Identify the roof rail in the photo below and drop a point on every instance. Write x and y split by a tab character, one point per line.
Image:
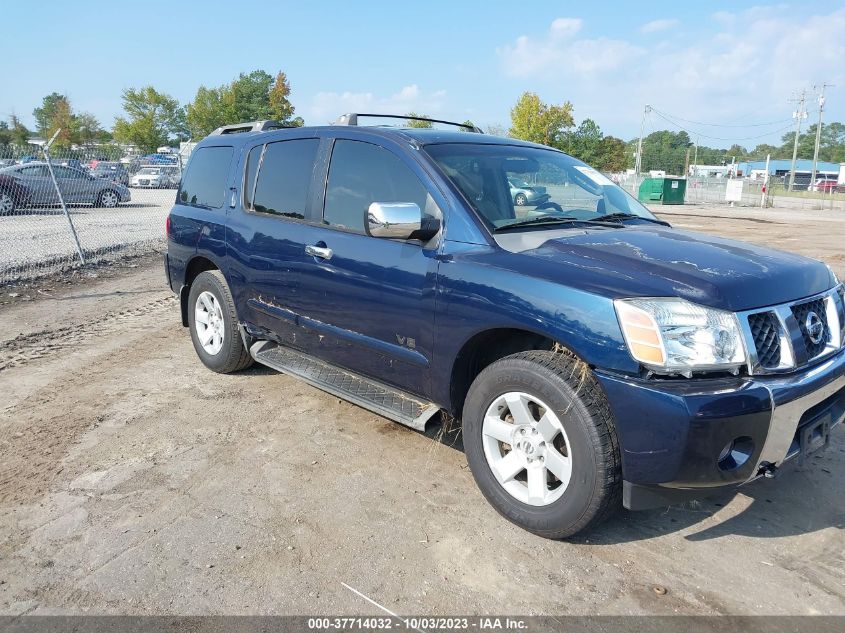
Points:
251	126
351	118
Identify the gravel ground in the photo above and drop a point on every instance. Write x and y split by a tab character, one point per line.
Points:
38	241
135	481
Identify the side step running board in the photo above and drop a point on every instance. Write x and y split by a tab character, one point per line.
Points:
376	396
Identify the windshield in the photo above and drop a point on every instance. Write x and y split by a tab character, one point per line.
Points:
149	171
509	184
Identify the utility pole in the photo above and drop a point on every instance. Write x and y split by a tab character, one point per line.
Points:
798	115
639	162
695	158
818	132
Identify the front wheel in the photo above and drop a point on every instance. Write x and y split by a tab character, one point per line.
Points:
214	324
108	199
520	200
541	444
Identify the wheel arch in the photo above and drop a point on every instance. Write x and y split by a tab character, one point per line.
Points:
196	265
488	346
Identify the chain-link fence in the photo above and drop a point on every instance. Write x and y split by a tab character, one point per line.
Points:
749	192
59	209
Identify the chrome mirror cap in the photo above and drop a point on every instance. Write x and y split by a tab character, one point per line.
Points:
397	220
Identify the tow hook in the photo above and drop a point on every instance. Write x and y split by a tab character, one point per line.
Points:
770	471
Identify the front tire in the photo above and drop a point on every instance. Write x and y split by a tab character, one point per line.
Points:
541	444
214	324
520	200
108	199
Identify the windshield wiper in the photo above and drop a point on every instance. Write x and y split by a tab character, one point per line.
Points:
545	219
611	217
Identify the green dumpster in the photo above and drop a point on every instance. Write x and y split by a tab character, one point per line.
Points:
666	190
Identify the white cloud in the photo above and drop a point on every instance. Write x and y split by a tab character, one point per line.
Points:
656	26
559	51
327	106
740	67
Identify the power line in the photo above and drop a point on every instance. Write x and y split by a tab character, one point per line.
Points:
719	138
740	125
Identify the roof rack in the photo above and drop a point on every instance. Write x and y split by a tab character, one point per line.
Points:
351	118
251	126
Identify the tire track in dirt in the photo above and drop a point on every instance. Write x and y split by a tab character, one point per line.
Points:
32	346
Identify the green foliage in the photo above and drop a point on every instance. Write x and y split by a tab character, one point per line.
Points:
20	134
831	143
613	155
418	124
532	120
152	119
45	116
250	97
56	114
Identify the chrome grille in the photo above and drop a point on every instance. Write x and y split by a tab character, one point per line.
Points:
777	339
765	332
800	311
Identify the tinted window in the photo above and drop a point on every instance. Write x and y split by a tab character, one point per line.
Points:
65	172
362	173
251	171
284	177
204	184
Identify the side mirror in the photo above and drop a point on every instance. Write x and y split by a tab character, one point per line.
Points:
399	220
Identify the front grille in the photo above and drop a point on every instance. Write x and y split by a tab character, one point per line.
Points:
766	334
800	312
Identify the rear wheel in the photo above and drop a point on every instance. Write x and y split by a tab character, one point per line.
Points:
540	441
214	324
7	203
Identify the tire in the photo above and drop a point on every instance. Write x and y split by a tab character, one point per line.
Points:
7	203
520	200
579	432
107	199
210	295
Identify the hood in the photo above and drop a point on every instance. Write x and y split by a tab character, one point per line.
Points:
665	262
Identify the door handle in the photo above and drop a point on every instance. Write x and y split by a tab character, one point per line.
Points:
322	252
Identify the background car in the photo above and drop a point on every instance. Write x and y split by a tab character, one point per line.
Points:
77	186
824	185
524	193
152	177
173	175
13	194
113	171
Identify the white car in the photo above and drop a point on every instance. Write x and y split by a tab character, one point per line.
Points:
151	177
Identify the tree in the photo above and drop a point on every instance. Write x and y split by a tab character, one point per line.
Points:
206	112
280	106
153	119
467	126
418	124
45	116
87	130
584	142
764	149
254	96
613	154
533	120
5	134
20	134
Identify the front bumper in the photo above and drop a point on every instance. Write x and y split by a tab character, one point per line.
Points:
673	432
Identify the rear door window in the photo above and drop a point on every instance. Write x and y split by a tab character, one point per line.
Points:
204	184
284	177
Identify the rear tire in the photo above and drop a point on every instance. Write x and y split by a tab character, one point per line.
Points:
213	323
7	203
540	441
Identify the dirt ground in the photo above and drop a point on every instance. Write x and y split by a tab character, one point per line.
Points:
135	481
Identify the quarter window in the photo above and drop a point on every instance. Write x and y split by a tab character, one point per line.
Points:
284	177
204	184
363	173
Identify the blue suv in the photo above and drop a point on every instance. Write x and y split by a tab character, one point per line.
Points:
594	355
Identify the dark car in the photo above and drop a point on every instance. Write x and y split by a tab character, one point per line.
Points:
113	171
13	193
77	186
595	356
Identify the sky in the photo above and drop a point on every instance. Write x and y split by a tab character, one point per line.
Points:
723	71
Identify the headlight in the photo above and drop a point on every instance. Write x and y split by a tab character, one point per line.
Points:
673	336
